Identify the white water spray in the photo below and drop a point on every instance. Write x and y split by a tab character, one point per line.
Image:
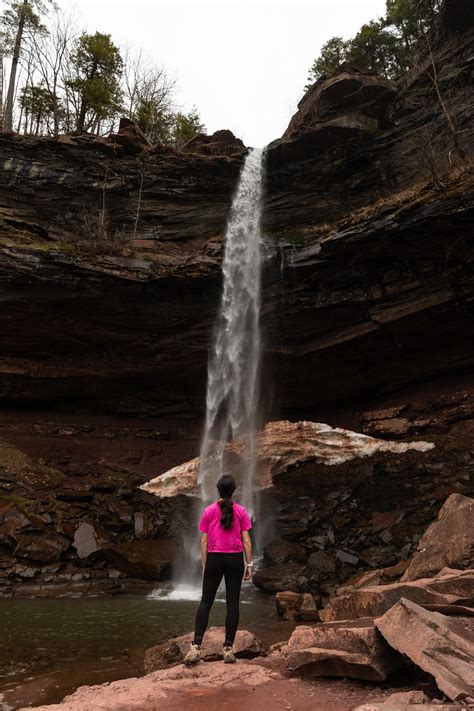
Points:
233	371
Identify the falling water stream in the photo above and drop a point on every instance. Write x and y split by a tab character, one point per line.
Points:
233	370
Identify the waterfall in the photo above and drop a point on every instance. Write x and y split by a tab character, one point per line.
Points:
233	371
234	360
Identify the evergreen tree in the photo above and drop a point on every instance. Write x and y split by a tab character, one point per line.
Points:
96	65
186	126
383	46
333	53
375	49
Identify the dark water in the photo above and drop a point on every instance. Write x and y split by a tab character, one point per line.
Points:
90	640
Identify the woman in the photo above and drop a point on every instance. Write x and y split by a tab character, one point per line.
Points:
225	526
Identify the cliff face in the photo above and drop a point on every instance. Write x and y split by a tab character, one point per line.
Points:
110	254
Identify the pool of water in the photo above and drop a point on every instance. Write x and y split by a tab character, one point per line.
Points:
51	646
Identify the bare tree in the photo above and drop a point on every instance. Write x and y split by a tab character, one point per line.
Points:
148	93
20	19
52	57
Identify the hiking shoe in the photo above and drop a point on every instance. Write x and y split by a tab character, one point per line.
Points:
229	656
194	655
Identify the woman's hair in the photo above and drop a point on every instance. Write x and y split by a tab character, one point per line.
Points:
226	487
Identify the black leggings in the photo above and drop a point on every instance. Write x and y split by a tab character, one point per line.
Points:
231	566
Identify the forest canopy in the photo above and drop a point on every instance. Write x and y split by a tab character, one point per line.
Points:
64	80
384	46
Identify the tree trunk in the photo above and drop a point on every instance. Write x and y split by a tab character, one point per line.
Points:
8	114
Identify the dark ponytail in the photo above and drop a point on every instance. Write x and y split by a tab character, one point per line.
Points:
226	487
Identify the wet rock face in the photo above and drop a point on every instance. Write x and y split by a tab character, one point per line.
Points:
80	527
350	92
356	134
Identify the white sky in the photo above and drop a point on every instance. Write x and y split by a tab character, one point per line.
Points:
243	64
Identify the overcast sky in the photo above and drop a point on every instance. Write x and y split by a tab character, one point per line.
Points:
243	64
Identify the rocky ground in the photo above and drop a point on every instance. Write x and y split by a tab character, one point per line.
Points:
421	626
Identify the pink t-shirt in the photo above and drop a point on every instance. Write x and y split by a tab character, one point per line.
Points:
224	540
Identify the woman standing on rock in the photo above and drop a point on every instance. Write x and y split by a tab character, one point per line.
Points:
225	526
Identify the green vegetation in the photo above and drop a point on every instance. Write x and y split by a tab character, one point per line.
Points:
384	46
72	81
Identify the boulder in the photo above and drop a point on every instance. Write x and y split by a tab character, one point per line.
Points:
221	142
349	91
130	137
448	542
379	576
142	559
345	649
441	646
276	578
281	551
173	651
283	448
44	547
296	606
88	538
321	562
450	587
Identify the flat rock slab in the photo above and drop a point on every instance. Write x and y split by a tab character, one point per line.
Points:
449	541
441	646
146	692
173	651
344	649
282	446
450	587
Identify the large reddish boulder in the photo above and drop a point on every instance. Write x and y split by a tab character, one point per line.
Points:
448	542
295	454
441	646
449	588
345	649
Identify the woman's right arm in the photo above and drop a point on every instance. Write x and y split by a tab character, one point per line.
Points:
247	543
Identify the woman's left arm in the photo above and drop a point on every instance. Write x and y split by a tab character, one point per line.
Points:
204	539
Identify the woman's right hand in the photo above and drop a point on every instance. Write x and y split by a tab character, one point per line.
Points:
248	572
